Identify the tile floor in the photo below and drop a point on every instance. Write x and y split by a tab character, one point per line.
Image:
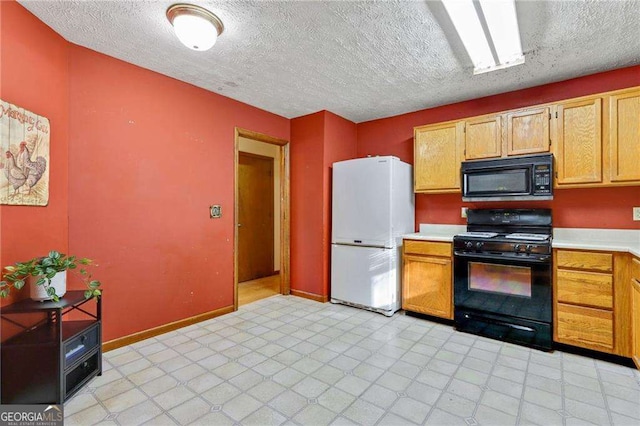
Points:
287	360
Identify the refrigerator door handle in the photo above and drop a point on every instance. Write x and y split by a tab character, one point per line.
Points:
356	244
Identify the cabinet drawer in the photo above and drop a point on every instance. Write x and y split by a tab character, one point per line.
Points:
81	345
584	260
586	327
79	375
585	288
427	248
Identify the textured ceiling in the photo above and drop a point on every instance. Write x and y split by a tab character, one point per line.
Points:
359	59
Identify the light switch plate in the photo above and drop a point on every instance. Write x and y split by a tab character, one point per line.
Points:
215	211
636	213
463	212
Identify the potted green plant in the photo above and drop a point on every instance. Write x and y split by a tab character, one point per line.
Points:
48	276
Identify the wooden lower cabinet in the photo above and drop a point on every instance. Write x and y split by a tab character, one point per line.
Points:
635	311
427	278
592	303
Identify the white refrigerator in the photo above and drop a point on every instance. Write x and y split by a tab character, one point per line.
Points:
372	207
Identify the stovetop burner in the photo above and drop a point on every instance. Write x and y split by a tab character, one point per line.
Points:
518	233
478	234
512	236
525	236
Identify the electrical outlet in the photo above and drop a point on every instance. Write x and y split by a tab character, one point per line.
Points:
463	212
636	213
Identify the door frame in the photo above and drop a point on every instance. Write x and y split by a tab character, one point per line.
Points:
285	247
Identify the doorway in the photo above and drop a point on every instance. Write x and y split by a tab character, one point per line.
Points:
255	217
261	237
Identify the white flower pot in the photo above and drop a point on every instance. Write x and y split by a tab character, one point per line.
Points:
39	292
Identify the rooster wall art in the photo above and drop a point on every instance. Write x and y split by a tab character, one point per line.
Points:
24	148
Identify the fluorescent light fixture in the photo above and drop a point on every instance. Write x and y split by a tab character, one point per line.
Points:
465	19
195	27
502	23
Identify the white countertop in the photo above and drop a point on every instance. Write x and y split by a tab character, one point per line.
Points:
433	232
578	238
598	239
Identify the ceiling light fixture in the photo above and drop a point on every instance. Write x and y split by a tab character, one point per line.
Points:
502	22
195	27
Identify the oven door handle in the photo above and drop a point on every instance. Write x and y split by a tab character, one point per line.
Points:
540	259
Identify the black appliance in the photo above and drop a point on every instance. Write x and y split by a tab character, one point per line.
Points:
527	177
502	276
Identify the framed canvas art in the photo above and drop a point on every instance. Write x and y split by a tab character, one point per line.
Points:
24	156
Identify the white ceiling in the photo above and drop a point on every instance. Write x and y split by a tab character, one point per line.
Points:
359	59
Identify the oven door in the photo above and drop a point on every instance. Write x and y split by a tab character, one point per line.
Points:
492	284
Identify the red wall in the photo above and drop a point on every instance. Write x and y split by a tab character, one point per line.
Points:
307	192
317	141
571	208
578	208
34	75
340	143
148	156
136	160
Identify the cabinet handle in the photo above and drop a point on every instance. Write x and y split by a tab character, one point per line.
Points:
83	339
85	364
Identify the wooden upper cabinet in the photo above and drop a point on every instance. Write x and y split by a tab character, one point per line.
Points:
483	137
624	137
528	131
437	157
596	142
579	142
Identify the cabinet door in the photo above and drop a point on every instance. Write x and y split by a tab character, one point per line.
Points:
579	139
483	138
528	131
635	318
427	285
437	157
635	311
624	136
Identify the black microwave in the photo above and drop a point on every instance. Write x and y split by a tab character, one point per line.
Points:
526	177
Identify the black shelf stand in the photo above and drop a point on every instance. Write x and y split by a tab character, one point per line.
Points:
52	355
